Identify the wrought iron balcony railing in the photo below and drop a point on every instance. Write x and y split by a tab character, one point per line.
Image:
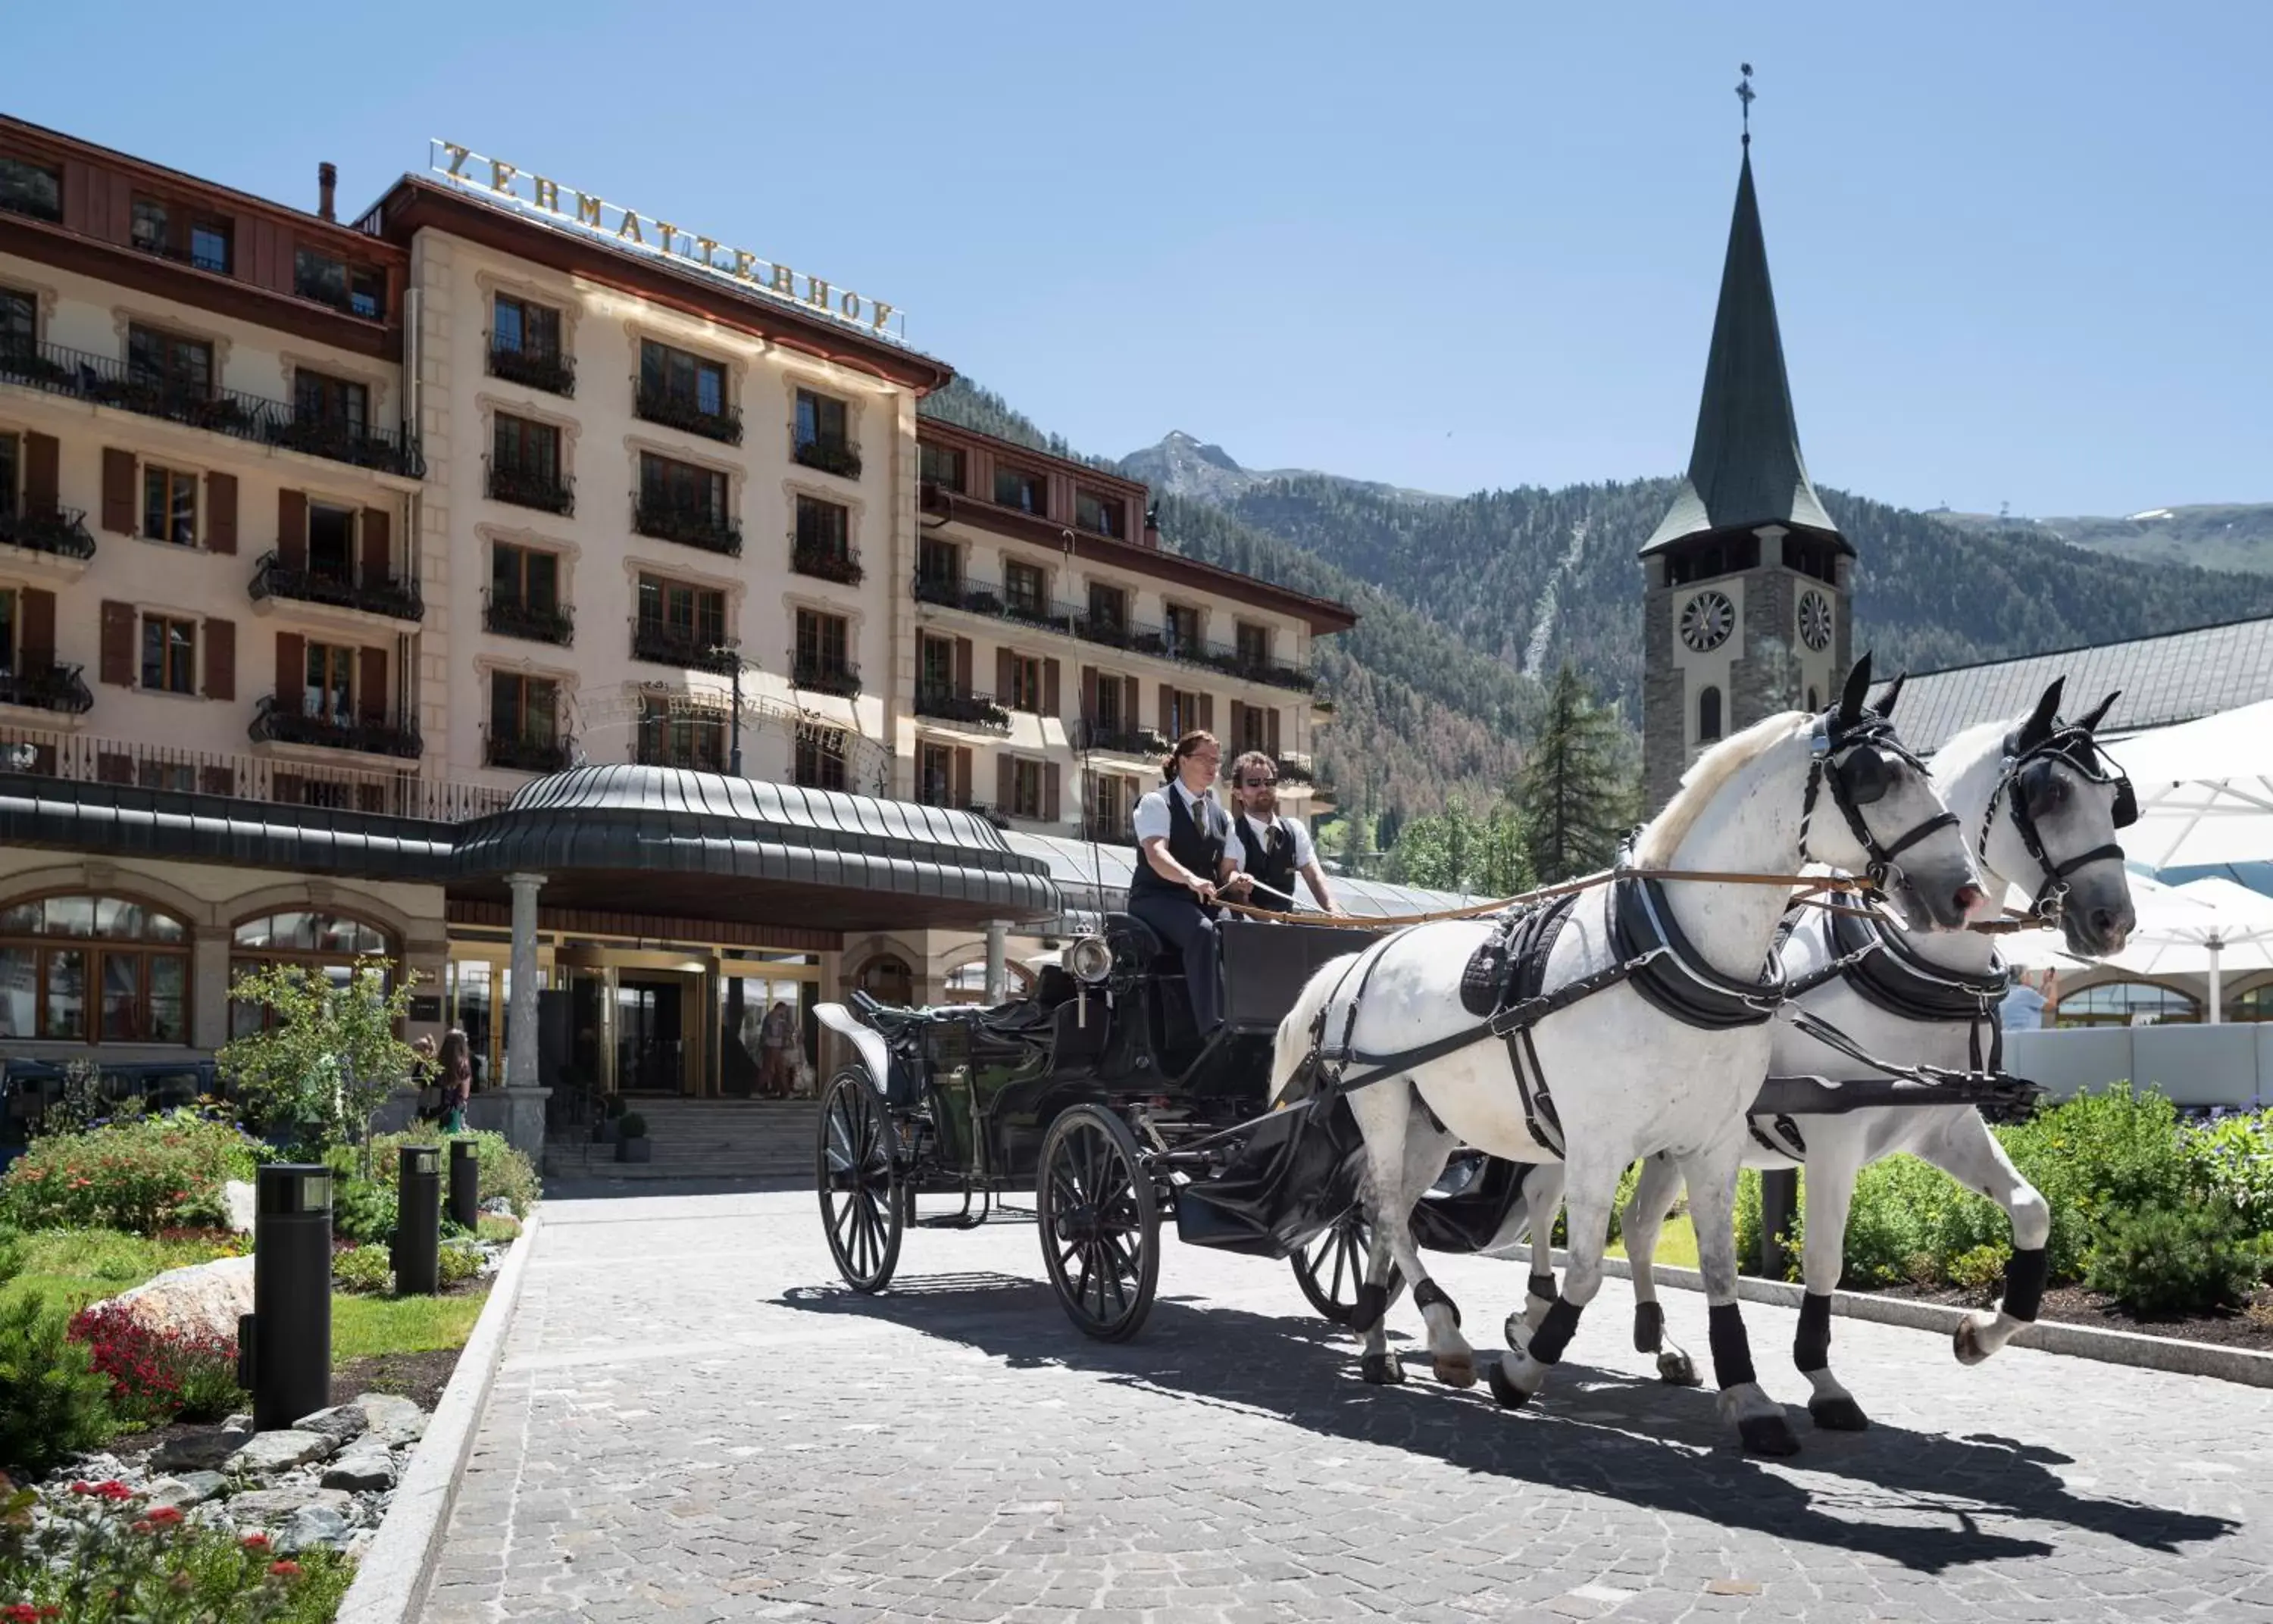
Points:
688	523
831	456
528	755
542	489
674	409
551	370
1297	770
275	721
107	382
397	600
960	705
1116	830
1124	741
663	644
539	622
46	687
826	560
44	527
838	676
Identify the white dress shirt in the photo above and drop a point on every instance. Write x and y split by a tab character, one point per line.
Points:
1151	819
1305	854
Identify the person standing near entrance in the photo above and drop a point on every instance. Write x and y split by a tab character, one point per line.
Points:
775	1038
456	1064
1272	848
1182	857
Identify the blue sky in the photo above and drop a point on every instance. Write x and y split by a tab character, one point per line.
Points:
2021	251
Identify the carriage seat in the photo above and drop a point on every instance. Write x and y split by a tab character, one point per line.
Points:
1136	946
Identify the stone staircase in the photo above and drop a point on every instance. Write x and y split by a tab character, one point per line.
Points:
694	1139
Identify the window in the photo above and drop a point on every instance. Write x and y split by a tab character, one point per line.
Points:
1108	610
820	758
327	945
1027	492
1025	589
1181	710
169	655
939	562
209	245
935	665
1812	557
329	695
355	289
695	616
170	505
674	733
821	642
1184	630
823	528
1025	683
1108	718
1102	515
1112	798
523	710
1254	645
331	542
935	774
525	329
153	231
673	375
2126	1003
940	465
34	189
170	362
19	330
316	398
1025	789
1708	715
525	577
821	419
1254	729
683	490
93	969
529	451
1725	556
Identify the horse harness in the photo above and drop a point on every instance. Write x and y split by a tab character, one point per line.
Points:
2026	783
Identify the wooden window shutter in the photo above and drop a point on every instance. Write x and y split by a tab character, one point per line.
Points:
378	545
1050	778
117	666
291	670
963	665
113	766
1003	660
959	789
1006	778
1238	740
1207	711
221	659
118	504
1128	710
371	683
1050	696
1168	712
43	476
292	529
217	781
36	639
1271	732
221	512
1089	694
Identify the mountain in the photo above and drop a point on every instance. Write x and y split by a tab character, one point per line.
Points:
2230	536
1181	466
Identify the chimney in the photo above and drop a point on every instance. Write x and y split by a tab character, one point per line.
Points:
1152	526
327	176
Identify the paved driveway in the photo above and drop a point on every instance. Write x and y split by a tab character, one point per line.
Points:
694	1421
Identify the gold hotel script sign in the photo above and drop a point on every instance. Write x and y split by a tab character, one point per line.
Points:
566	206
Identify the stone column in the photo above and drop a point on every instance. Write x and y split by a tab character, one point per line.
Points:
520	1019
998	933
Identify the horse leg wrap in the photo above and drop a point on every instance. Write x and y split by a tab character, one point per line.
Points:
1732	1352
1649	1326
2024	1284
1428	1294
1810	1350
1543	1287
1554	1332
1372	1303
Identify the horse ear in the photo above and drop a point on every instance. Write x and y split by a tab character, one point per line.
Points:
2091	721
1886	705
2038	727
1859	688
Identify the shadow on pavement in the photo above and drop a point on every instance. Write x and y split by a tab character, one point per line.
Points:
1595	1431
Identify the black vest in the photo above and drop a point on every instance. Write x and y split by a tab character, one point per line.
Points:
1198	850
1271	862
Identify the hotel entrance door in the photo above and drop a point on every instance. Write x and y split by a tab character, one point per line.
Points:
658	1031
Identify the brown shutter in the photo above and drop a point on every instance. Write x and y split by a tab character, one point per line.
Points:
1128	710
291	670
963	665
292	529
1207	712
1003	658
1089	696
42	477
1271	732
378	546
959	791
371	701
118	490
1237	742
36	640
117	667
113	766
217	781
221	659
221	512
1168	712
1050	689
1005	782
1050	793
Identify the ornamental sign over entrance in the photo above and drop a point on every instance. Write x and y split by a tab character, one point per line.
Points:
563	206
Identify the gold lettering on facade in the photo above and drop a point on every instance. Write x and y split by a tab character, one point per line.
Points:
707	249
743	261
849	304
458	156
883	314
501	175
670	235
631	228
816	292
783	282
548	194
587	210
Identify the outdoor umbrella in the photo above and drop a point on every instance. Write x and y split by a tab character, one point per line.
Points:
2205	790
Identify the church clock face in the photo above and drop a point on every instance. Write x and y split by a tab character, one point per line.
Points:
1707	620
1815	621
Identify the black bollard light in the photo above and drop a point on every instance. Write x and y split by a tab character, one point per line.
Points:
285	1344
465	1184
418	1222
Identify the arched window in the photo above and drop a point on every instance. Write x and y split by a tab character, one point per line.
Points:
330	943
1708	715
2126	1003
2254	1005
967	983
888	981
93	969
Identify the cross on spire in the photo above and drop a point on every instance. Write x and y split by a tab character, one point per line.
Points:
1745	93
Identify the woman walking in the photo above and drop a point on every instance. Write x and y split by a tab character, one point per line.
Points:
1181	836
456	1064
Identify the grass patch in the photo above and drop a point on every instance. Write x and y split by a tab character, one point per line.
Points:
79	1267
365	1326
1676	1244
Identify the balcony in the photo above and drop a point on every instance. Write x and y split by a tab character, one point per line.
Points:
690	524
275	721
537	623
952	592
660	643
676	410
544	490
1124	741
528	755
1297	770
336	588
947	703
106	382
1111	829
535	369
48	688
840	677
158	248
840	458
60	532
827	560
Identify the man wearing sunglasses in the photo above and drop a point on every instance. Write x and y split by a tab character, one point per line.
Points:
1272	848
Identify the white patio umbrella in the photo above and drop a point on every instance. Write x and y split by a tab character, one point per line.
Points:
2205	790
2212	928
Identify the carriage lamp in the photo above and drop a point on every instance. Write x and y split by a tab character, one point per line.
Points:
1089	959
284	1345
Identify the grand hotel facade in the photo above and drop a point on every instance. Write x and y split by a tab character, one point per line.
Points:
352	572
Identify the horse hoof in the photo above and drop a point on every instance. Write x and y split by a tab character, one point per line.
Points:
1675	1368
1838	1415
1967	1344
1767	1434
1517	1332
1457	1370
1382	1370
1503	1389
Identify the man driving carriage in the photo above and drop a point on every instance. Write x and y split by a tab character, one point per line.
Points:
1272	848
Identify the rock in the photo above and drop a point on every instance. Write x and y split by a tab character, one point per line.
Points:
189	1489
201	1451
395	1420
266	1507
236	1201
498	1207
314	1525
365	1465
241	1422
273	1452
203	1299
344	1422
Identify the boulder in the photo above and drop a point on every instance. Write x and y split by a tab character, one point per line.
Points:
366	1464
191	1488
199	1451
344	1422
203	1299
394	1420
266	1507
278	1451
314	1525
236	1202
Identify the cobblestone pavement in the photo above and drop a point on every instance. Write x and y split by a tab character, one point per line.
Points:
696	1421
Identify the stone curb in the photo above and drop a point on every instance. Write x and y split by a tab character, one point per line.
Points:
2086	1342
391	1580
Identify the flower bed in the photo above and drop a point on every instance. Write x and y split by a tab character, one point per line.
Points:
142	1176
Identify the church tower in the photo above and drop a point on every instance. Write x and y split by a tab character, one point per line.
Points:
1746	580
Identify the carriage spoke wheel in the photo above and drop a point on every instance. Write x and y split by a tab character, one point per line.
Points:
1330	1266
862	1205
1100	1223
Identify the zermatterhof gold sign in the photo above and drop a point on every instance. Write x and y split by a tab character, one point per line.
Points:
534	194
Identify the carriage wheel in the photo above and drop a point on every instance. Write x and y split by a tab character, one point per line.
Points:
862	1207
1331	1266
1100	1223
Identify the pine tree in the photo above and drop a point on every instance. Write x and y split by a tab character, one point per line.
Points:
1577	801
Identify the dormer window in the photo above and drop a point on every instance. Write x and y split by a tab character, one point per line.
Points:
1017	487
34	189
356	290
1100	514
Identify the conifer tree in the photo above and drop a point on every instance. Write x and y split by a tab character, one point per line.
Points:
1577	799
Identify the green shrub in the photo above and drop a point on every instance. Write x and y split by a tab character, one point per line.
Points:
362	1269
141	1176
2232	1159
458	1262
631	1125
2167	1259
504	1171
1980	1269
54	1403
362	1208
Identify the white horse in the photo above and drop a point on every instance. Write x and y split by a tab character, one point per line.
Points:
1612	1076
2042	812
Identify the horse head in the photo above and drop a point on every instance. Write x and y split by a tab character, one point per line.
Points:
2055	824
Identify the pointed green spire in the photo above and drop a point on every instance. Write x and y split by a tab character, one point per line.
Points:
1745	469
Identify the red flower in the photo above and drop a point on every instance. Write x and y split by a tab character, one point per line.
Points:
82	1487
255	1542
23	1612
164	1516
284	1570
114	1490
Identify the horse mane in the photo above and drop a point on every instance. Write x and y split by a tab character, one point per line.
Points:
1961	750
1706	778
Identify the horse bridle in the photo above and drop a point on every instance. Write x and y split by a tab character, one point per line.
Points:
2074	746
1855	757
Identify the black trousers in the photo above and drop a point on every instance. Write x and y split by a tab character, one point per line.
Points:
1180	921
